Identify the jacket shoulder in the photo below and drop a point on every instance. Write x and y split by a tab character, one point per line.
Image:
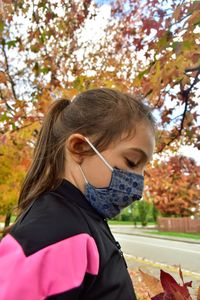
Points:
50	219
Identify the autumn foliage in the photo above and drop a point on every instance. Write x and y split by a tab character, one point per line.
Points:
150	47
173	185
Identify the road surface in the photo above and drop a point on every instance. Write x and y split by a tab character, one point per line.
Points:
162	251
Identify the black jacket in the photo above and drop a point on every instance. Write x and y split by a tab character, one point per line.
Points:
62	249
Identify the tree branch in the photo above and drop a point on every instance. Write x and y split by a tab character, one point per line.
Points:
186	97
192	69
11	110
8	70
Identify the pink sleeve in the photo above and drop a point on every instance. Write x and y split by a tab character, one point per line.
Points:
52	270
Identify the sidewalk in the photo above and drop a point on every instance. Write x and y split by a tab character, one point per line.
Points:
141	231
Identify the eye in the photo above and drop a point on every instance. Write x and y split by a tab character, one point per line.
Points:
130	163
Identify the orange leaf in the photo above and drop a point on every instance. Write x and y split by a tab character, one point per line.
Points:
3	77
198	294
152	283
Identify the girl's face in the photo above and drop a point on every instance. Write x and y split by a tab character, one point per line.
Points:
130	154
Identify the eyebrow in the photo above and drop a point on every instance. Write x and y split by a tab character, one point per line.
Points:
144	154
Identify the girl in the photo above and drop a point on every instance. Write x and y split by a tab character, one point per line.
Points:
88	164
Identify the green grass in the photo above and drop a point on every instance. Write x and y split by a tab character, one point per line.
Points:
176	234
115	222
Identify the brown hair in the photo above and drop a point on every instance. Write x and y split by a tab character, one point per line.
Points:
103	113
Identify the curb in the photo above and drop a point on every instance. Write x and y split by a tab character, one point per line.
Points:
189	241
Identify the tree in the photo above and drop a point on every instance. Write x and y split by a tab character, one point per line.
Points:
158	42
173	185
143	208
15	158
150	47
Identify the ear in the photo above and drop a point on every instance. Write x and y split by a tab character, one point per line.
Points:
76	145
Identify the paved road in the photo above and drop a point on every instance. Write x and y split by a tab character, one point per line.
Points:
162	251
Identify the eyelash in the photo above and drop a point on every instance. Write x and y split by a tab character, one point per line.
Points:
130	163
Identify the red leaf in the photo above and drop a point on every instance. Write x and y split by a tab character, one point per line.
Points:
170	285
188	284
158	297
148	24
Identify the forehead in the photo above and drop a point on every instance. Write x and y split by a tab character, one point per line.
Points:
141	140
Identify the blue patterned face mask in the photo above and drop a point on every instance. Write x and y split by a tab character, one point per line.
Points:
124	188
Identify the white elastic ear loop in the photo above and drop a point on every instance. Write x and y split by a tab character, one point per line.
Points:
83	174
99	154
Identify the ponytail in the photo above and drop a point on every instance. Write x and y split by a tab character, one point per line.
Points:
44	173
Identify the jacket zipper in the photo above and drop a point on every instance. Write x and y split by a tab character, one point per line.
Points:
116	243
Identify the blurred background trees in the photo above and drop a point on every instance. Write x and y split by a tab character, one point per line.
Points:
52	49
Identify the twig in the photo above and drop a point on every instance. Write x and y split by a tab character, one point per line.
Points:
185	94
7	105
192	69
8	71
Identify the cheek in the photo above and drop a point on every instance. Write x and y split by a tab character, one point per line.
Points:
96	172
